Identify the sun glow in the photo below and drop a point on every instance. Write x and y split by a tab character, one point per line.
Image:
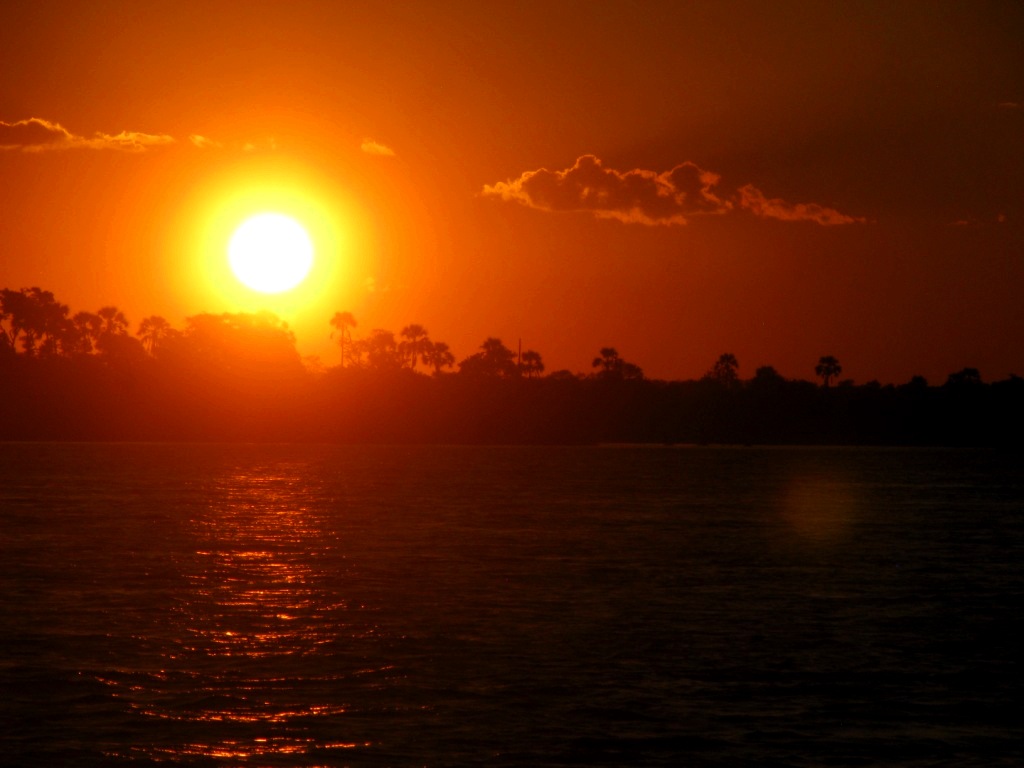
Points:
270	253
335	225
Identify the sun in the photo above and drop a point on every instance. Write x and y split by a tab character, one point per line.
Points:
270	253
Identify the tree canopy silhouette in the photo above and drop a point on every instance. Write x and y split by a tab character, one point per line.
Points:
415	345
612	367
531	364
154	331
37	320
240	376
828	368
440	356
494	359
724	371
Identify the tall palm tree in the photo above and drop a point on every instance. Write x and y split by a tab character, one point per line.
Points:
614	367
609	361
531	364
416	344
152	331
440	356
87	327
114	323
342	322
828	368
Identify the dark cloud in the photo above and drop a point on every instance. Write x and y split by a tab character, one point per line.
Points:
39	135
637	196
32	133
647	197
754	200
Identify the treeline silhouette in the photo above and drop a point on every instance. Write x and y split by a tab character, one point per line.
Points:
238	376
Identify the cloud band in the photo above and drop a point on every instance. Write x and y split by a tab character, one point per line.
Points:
647	197
36	134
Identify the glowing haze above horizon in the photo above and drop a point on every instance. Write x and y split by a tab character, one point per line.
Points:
677	180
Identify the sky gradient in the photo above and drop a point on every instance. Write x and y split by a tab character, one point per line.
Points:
677	180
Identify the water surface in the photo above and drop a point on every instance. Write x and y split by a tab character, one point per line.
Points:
288	605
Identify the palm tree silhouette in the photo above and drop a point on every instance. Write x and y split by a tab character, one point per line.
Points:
531	364
343	321
37	317
828	368
152	331
114	323
416	345
614	367
88	326
440	356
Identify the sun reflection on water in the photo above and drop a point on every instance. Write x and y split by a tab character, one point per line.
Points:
256	664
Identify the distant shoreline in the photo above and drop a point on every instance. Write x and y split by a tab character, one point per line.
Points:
72	401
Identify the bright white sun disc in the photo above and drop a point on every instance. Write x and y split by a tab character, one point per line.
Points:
270	253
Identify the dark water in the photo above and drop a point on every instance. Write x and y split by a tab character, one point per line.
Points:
230	605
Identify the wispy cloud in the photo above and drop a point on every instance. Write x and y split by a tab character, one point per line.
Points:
754	200
371	147
36	134
641	196
999	218
267	145
204	142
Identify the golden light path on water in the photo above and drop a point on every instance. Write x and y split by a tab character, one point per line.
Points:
249	673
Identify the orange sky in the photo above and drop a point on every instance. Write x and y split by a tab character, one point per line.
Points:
678	180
